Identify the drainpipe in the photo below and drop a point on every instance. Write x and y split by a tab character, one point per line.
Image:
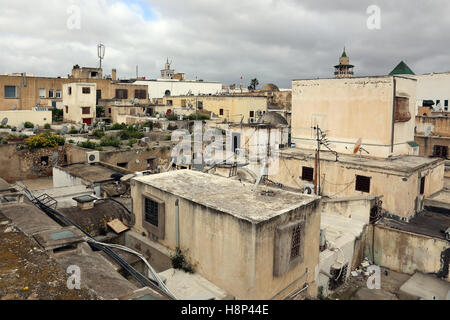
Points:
393	114
177	223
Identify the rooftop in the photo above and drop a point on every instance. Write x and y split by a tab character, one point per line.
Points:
226	195
97	172
404	163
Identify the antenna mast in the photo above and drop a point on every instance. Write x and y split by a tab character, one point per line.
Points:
101	52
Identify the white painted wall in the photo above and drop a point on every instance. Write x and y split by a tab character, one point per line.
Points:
15	117
433	86
158	87
63	179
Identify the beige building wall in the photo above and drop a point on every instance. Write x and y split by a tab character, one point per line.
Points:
20	116
234	254
234	108
338	179
74	102
349	109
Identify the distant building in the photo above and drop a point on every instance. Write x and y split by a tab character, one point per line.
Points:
344	69
79	102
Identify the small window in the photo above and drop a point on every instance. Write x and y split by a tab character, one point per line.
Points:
295	242
445	103
85	110
109	110
70	90
58	94
362	184
121	94
140	94
94	74
86	90
44	160
169	102
438	102
51	93
10	92
200	105
122	164
42	93
221	112
422	185
440	151
252	114
307	173
151	212
67	109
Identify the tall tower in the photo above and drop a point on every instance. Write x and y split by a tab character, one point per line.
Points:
167	73
344	69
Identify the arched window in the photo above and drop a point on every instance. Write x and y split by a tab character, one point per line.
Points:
167	93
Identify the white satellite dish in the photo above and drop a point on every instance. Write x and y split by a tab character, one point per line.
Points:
4	121
21	126
36	127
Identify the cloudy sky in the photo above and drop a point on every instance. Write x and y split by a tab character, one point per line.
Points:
273	40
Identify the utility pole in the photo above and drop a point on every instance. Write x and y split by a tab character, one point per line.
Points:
317	162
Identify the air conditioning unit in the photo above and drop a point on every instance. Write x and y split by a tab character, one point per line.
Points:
93	156
308	189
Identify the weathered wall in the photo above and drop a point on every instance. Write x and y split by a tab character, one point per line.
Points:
232	253
439	126
338	180
23	164
137	158
349	109
406	252
426	144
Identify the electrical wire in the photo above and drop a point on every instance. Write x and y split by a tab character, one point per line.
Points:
56	215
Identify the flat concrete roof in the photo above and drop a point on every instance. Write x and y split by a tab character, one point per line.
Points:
227	195
404	163
90	172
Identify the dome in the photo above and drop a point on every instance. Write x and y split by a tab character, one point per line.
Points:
273	118
270	87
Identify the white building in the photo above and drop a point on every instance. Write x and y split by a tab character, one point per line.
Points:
79	102
434	87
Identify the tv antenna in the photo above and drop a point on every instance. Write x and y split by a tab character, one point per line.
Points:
101	52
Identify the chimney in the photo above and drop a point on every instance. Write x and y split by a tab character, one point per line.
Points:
85	202
114	74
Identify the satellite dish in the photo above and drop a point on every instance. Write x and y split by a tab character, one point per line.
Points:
64	130
36	127
21	126
4	121
357	146
427	131
55	158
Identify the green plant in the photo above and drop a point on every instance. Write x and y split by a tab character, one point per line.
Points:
165	148
172	127
169	137
73	130
179	261
28	125
171	116
57	114
88	145
47	126
110	141
132	141
44	140
71	141
118	126
198	116
98	133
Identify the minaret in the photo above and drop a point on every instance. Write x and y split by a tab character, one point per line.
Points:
344	69
167	73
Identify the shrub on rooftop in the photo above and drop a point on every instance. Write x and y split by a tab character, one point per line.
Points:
44	140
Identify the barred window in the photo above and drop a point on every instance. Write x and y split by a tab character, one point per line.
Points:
121	94
151	212
86	90
307	173
295	243
140	94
